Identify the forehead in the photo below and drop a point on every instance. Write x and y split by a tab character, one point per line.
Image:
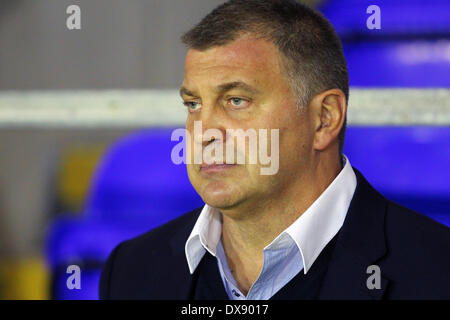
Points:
246	57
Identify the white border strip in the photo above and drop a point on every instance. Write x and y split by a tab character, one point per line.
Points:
140	108
399	107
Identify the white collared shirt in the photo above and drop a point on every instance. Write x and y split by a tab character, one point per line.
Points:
296	248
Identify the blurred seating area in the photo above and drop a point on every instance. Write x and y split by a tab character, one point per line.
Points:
89	172
136	187
411	48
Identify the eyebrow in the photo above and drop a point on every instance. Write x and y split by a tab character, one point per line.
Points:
186	92
224	88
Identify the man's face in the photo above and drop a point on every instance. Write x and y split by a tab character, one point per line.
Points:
241	86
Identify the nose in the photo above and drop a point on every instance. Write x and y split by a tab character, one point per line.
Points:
209	127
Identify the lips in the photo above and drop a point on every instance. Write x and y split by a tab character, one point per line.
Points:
210	168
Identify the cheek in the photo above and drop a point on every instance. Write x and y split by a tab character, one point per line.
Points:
191	173
292	132
190	144
194	178
278	113
294	141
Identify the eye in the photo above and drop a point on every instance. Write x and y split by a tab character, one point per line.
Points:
238	102
192	105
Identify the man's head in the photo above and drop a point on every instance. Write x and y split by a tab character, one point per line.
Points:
265	64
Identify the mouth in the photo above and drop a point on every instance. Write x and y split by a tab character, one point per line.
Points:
212	168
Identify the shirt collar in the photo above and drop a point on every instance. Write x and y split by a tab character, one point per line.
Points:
311	232
204	236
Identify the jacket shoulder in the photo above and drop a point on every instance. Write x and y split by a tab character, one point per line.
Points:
160	237
418	254
416	228
136	268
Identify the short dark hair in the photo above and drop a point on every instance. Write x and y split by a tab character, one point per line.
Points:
311	52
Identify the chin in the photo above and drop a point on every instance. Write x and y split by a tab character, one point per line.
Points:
219	195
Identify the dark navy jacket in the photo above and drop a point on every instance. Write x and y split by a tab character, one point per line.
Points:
411	250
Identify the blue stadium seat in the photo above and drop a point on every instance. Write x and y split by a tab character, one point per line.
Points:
398	17
409	165
137	182
410	50
136	188
412	63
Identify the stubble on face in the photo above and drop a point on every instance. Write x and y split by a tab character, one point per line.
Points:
257	63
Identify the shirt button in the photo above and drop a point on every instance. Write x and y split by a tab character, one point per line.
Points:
235	293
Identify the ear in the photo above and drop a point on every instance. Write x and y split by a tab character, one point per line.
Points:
329	109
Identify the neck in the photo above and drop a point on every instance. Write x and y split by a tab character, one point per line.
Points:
246	232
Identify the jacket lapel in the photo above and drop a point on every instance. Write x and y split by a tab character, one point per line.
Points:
206	282
181	281
209	284
360	244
